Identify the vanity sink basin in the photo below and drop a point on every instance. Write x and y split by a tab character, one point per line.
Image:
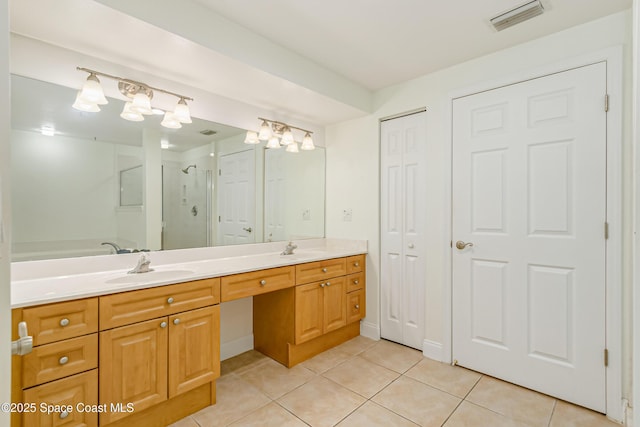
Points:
152	276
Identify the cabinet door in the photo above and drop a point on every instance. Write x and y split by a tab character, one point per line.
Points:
355	306
309	307
334	314
81	389
133	366
194	349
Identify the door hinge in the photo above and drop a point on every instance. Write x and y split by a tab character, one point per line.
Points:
450	243
606	357
606	230
606	102
219	218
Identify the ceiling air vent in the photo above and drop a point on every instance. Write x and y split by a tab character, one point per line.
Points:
517	15
208	132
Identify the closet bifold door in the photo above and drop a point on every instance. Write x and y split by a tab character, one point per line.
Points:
403	221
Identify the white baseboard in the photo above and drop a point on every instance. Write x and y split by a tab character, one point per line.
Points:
370	330
236	347
432	350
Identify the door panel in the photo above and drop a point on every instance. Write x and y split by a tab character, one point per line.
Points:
529	191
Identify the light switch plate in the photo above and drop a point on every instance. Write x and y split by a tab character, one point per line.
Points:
347	214
306	214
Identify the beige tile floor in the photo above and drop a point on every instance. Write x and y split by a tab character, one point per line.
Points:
376	383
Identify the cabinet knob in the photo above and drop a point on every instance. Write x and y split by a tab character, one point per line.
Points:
63	415
411	246
356	264
328	283
64	322
170	300
63	360
322	285
356	282
263	282
176	321
324	270
357	306
163	324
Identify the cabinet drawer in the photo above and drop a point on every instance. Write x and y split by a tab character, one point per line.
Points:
355	306
355	281
60	359
256	282
355	264
56	322
320	270
81	389
137	306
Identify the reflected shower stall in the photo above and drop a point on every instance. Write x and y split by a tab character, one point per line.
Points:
186	206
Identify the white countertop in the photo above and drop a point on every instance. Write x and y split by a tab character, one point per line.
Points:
42	282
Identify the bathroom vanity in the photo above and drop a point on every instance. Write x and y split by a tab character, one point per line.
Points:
145	349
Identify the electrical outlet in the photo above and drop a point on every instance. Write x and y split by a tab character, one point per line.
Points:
347	214
306	214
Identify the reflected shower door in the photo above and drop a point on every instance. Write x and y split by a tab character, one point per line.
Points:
186	208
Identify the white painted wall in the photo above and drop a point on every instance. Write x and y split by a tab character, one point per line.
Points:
5	214
353	156
634	399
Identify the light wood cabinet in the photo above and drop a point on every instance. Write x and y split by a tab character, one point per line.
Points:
256	282
59	321
64	397
319	308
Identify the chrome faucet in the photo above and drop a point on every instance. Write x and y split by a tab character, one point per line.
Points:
116	248
143	265
289	249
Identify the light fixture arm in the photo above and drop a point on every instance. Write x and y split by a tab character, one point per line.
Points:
281	124
133	83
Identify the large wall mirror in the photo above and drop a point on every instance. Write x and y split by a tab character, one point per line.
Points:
102	179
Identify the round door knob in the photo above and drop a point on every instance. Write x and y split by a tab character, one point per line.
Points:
163	324
411	246
324	270
64	322
328	283
176	321
461	245
63	415
356	282
63	360
322	285
263	282
357	306
170	300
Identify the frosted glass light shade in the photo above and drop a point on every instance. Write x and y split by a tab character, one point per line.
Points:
83	105
92	92
141	103
130	115
292	148
273	142
265	131
287	137
170	121
182	112
251	138
307	143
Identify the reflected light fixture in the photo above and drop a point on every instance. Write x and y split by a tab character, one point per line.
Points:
138	104
279	134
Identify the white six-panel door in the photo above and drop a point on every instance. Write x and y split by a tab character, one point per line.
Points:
529	194
236	198
402	215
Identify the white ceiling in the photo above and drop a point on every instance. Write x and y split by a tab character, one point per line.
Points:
317	62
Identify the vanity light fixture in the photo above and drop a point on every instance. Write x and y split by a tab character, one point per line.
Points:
279	134
138	102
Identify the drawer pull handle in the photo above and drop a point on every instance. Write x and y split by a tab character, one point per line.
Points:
170	300
324	270
64	322
176	321
63	415
322	285
328	283
63	360
163	324
263	282
356	282
357	306
356	264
